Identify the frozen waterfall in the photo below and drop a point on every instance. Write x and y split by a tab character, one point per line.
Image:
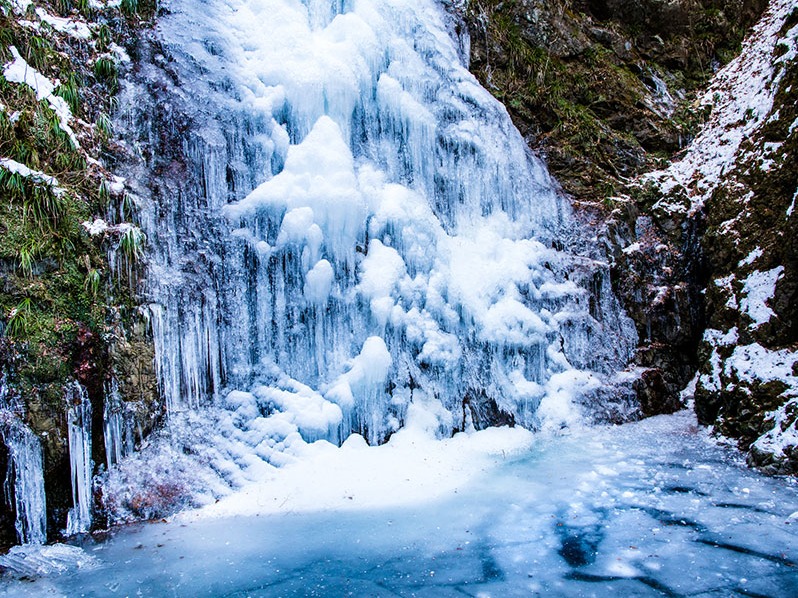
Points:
343	224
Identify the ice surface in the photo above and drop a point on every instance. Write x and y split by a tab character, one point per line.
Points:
648	509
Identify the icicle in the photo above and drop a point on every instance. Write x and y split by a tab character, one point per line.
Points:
24	479
79	431
117	427
24	482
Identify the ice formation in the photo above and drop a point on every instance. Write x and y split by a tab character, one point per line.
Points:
79	433
346	224
648	509
24	481
118	426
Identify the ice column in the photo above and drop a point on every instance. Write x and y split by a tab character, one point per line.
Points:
117	428
24	483
79	430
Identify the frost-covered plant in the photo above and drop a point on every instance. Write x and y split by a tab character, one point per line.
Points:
103	193
126	207
131	243
104	125
69	91
103	38
105	70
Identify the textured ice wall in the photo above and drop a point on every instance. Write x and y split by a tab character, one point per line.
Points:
342	223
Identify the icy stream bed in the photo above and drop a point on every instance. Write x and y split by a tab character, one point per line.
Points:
647	509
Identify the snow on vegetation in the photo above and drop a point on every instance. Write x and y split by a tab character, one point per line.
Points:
72	27
19	71
741	100
15	167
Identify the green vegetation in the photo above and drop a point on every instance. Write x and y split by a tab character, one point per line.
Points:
584	88
57	285
129	7
105	70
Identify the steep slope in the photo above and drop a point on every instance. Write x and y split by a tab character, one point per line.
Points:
740	175
603	91
703	249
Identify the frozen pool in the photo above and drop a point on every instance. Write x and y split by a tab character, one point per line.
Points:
648	509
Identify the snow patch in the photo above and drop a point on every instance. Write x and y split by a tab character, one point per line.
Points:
758	288
37	177
19	71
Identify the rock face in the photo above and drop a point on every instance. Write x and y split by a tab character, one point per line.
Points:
703	249
741	176
600	89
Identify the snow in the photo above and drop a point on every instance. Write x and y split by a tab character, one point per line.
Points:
36	176
758	288
751	257
753	362
75	28
317	186
318	282
98	227
782	438
741	97
368	243
21	6
19	71
411	468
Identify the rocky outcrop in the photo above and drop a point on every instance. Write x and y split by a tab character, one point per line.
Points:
741	177
601	89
